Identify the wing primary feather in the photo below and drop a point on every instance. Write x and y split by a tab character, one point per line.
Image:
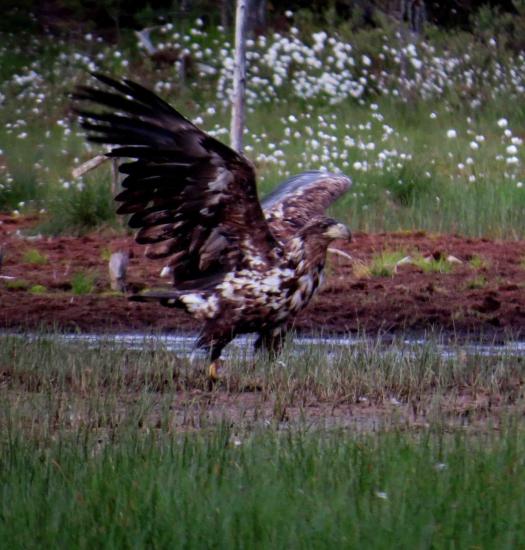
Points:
191	197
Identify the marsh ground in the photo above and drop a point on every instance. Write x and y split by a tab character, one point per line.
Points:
112	448
62	282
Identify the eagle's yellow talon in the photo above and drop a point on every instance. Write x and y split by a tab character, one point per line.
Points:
213	371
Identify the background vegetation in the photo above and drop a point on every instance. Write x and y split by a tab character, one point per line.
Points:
429	124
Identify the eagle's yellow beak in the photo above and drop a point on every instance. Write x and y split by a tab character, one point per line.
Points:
338	231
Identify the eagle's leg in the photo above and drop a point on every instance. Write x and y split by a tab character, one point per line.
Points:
213	371
272	340
213	344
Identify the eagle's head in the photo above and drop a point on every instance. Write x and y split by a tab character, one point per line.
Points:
317	235
323	229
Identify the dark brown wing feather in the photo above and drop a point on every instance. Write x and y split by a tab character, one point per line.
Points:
301	198
191	197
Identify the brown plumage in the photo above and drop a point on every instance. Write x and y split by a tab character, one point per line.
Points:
237	265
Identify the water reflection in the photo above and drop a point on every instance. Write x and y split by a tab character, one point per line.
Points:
183	344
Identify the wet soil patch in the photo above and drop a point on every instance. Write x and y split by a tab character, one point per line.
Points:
480	293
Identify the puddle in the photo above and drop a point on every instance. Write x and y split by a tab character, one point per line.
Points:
182	344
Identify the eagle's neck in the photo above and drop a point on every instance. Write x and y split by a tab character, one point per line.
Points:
307	252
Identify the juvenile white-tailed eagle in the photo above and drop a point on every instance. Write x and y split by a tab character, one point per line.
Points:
238	265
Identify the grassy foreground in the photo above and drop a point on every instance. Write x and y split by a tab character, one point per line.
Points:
102	447
272	490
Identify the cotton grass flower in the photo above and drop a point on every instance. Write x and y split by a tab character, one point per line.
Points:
452	134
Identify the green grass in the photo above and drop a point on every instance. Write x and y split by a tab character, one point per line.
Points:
479	262
17	284
77	211
433	265
106	386
273	490
427	192
479	281
385	263
38	289
103	447
83	283
33	256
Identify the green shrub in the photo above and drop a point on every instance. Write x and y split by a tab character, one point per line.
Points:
83	283
78	210
38	289
384	264
479	281
34	256
17	284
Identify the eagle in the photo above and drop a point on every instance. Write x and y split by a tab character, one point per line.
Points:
238	265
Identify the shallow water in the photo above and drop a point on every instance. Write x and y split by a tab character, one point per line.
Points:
183	344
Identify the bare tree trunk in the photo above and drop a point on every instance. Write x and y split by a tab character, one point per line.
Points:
256	16
415	12
418	16
413	15
262	9
225	14
402	53
239	77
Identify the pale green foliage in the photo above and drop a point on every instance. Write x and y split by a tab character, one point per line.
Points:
33	256
83	283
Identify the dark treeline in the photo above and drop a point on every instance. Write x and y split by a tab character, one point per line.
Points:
68	16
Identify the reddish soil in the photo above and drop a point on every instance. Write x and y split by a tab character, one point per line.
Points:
485	297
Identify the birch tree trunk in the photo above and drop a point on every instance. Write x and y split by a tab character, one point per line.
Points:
239	77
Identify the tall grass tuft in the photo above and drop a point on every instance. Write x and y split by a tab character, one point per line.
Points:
78	210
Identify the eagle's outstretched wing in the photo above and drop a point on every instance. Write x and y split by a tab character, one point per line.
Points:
299	199
192	198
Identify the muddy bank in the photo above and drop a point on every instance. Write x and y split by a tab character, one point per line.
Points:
467	286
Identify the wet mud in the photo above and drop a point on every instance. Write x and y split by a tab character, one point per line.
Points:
471	287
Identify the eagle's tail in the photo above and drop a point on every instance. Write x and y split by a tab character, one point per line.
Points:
201	304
